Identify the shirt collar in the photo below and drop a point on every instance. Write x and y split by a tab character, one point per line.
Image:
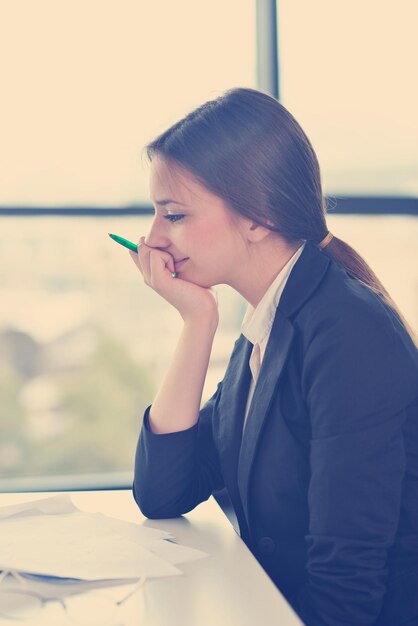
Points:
258	321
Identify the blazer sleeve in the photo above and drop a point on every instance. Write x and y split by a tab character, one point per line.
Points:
360	372
176	471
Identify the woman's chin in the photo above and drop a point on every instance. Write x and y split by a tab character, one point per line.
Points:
196	280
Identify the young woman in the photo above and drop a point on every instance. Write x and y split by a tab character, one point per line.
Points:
314	429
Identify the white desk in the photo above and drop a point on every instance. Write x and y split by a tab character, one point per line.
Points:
229	588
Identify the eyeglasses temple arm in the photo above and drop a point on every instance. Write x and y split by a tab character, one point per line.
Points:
140	583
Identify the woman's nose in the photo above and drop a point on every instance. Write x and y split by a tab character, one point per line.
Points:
157	237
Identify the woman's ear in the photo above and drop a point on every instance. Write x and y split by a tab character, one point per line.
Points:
256	232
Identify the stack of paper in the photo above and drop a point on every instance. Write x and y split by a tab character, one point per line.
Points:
51	537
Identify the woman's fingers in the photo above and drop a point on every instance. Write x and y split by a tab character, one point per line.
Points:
158	270
143	258
154	264
161	267
135	256
135	259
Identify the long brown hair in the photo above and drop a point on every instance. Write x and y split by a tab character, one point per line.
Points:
248	149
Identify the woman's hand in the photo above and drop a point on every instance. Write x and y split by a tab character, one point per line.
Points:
157	267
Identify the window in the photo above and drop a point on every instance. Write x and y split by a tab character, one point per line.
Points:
347	73
86	84
83	342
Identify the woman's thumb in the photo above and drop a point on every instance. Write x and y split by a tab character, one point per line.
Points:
163	259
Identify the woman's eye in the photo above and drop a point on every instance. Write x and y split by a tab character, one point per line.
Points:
174	218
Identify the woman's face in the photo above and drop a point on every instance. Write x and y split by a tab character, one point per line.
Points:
195	226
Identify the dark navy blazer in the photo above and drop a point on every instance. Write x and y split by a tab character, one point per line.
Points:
324	479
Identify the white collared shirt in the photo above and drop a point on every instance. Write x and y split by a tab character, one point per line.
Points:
257	322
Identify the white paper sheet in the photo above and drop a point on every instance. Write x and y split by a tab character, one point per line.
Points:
53	505
150	538
52	537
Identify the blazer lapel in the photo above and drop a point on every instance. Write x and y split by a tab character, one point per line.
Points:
303	281
231	409
271	368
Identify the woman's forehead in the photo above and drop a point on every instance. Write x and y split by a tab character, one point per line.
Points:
173	182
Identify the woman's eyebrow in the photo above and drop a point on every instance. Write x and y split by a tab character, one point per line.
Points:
168	201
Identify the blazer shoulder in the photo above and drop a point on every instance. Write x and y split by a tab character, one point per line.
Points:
328	307
348	302
346	326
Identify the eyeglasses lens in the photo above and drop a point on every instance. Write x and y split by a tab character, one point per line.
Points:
18	605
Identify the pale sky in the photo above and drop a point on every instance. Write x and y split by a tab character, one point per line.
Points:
349	75
86	83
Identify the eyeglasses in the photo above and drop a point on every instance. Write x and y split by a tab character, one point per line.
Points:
92	607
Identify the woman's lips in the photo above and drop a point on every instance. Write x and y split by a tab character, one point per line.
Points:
180	263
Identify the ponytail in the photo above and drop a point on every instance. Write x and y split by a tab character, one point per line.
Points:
339	251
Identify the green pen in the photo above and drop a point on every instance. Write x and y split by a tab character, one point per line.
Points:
130	245
124	242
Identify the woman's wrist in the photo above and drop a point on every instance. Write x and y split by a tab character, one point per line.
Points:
204	321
